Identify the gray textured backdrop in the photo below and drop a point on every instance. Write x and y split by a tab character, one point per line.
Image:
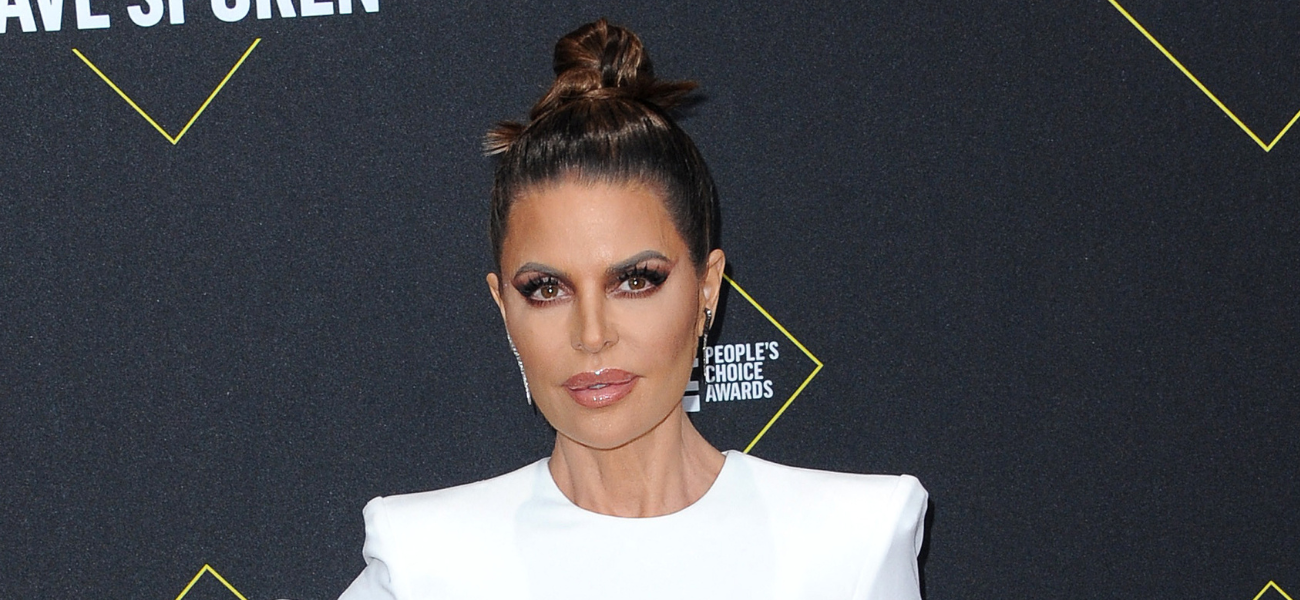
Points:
1045	274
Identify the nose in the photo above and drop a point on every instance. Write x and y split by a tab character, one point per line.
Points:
593	330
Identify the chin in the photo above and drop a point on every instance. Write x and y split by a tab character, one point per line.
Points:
605	442
610	431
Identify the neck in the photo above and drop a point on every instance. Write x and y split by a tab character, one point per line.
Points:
659	473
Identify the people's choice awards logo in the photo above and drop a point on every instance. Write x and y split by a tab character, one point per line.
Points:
753	370
735	371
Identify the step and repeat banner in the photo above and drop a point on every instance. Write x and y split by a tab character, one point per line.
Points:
1042	257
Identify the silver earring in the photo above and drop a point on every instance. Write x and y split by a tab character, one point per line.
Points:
708	322
527	393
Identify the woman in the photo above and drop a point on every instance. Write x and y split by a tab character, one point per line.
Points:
608	279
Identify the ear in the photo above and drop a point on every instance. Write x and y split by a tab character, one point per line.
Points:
494	286
711	286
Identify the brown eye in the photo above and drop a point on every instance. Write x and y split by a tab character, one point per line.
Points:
640	281
542	289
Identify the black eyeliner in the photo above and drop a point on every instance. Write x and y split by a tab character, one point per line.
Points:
654	276
527	288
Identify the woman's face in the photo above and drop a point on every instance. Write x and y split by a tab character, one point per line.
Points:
604	306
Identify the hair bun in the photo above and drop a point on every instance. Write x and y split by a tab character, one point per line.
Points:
597	61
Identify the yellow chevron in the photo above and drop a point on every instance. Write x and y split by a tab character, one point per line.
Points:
797	343
177	137
1215	99
209	570
1272	586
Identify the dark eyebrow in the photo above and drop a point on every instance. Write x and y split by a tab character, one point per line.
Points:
540	268
633	261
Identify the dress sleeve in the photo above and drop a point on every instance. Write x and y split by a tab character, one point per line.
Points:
898	577
374	582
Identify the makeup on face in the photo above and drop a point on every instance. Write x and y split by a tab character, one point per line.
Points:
635	277
638	276
600	388
602	301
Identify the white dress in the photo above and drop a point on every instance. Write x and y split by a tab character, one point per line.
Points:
762	531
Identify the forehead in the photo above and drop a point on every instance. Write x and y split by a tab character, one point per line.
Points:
573	223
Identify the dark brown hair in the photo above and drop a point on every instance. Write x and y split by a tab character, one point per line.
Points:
606	119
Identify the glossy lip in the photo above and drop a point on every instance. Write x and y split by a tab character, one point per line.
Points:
602	388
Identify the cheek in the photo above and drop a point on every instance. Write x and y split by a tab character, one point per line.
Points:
666	329
655	334
537	334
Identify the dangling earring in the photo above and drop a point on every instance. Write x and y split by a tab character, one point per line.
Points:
527	393
708	322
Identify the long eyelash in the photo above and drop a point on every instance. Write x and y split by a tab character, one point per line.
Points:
527	288
654	276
